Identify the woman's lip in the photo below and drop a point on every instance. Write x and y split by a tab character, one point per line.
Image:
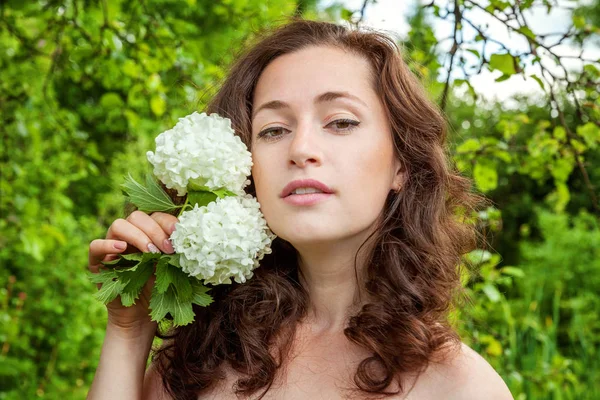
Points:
304	183
306	199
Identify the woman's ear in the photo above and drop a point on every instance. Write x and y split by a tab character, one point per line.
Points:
399	177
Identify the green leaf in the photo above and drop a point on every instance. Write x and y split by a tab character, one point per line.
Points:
498	5
504	63
112	286
509	128
130	68
578	21
126	277
163	277
201	198
561	168
538	80
181	283
134	256
174	293
168	276
346	14
525	30
485	175
579	147
168	303
494	348
478	256
182	312
525	4
501	154
142	257
136	280
173	259
590	69
111	101
149	198
491	292
202	195
590	133
158	105
161	304
130	261
223	193
513	271
560	197
470	145
117	262
474	52
199	294
559	133
100	277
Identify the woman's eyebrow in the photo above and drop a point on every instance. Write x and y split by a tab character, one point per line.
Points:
322	98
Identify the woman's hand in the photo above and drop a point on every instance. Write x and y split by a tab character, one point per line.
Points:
140	232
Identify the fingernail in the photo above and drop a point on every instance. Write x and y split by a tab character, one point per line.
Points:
173	228
153	249
120	245
168	246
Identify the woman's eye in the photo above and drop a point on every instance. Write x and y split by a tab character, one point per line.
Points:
345	124
342	125
267	133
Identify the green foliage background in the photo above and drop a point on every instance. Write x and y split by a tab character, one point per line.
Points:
86	86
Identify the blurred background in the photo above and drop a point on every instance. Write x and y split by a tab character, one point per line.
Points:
85	86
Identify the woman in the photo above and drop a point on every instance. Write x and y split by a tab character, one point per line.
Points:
351	173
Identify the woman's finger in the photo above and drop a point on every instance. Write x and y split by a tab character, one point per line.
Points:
101	249
151	228
124	230
166	221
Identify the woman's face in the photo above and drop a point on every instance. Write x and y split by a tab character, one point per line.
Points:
316	116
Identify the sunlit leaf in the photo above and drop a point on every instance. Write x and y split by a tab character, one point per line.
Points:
158	105
485	175
148	198
491	292
504	63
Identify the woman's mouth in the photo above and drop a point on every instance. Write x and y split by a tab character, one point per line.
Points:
306	199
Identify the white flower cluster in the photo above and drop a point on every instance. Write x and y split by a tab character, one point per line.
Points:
201	150
223	240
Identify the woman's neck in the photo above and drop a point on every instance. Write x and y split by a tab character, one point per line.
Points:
333	283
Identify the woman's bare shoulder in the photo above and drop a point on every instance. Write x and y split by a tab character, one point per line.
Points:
464	376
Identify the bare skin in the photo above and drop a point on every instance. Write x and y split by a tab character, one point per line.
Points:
322	366
129	331
308	141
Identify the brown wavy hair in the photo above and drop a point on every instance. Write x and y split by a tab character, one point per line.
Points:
412	272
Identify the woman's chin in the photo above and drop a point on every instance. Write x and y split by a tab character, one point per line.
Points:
313	237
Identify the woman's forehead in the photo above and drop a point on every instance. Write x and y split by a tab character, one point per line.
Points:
306	73
283	97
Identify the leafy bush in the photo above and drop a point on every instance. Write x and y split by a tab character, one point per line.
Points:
537	323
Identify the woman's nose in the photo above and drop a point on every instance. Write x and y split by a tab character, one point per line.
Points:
305	147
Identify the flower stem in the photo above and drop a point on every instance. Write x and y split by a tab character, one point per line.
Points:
187	201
